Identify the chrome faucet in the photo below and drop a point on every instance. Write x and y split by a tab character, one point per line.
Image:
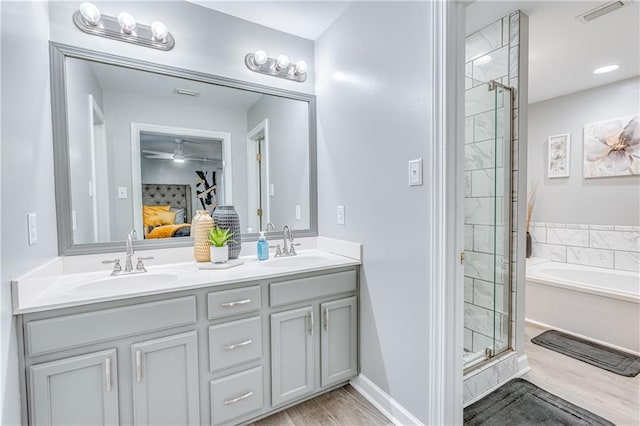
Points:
287	250
129	252
273	228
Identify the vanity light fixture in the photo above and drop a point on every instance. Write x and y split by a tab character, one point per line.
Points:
123	27
276	67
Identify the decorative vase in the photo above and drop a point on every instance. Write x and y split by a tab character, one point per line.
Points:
200	227
226	217
529	245
219	254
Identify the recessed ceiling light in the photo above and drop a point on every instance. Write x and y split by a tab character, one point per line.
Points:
606	69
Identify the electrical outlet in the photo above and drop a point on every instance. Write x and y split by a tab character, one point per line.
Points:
297	212
122	192
340	214
33	228
415	172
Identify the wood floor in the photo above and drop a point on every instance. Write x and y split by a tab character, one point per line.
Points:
343	406
614	397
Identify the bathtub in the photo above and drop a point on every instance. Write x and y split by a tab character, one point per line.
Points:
594	303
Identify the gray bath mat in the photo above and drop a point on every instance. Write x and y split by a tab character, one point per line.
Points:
519	402
609	359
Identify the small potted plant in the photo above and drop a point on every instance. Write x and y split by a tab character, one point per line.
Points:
219	238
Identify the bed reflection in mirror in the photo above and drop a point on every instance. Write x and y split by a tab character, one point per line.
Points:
146	151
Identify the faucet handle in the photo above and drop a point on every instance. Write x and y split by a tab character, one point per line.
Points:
278	250
140	266
292	248
116	267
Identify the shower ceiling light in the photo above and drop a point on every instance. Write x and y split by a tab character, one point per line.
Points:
276	67
124	28
606	69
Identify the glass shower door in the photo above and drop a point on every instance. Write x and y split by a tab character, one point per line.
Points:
487	265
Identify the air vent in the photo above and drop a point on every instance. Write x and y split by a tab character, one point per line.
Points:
601	10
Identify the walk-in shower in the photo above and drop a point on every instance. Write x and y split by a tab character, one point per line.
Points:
488	219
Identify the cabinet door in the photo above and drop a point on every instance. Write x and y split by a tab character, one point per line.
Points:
339	341
82	390
292	357
165	381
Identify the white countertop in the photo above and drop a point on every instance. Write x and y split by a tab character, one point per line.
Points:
41	291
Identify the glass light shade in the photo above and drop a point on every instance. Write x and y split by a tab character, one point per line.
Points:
159	30
178	160
260	57
301	67
90	13
127	22
282	61
606	69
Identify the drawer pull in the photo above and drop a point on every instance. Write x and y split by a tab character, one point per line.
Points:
238	398
107	372
236	303
138	366
310	317
238	345
326	319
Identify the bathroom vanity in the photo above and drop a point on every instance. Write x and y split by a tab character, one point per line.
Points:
210	347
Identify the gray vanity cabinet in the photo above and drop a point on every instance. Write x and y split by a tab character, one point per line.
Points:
292	355
76	390
165	386
339	340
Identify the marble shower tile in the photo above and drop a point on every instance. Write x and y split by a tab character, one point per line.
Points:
468	130
615	240
467	184
505	31
627	261
492	66
484	41
484	293
590	257
602	227
480	99
507	368
484	184
538	234
468	290
549	251
480	155
483	211
477	384
568	237
514	29
468	340
484	126
468	237
513	61
481	342
627	228
478	265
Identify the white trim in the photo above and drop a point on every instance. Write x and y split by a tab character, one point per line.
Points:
446	216
383	402
261	129
136	176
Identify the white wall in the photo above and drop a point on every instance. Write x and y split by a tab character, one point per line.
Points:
575	200
288	157
181	111
80	152
206	40
374	116
27	171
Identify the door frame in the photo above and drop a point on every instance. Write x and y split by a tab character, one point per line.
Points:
253	135
100	195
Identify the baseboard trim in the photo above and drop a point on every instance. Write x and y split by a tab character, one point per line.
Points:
383	402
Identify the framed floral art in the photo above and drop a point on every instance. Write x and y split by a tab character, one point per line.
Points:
559	156
612	147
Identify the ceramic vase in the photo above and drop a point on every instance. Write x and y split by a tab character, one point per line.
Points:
219	254
529	245
200	227
226	217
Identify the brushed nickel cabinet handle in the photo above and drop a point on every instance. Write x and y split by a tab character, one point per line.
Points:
310	316
107	372
138	366
237	345
238	398
236	303
326	319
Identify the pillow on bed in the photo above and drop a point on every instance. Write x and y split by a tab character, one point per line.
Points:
157	215
180	215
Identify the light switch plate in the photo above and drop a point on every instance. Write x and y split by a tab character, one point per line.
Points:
340	215
415	172
32	228
122	192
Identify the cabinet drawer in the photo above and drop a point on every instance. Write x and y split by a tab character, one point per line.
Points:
286	292
234	342
236	395
69	331
233	302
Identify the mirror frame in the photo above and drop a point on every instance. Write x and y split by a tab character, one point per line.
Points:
58	55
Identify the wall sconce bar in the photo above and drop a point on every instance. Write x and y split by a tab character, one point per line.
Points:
276	67
141	34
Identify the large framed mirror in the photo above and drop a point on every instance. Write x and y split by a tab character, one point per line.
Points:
144	146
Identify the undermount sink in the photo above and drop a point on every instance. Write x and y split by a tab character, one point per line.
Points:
295	261
123	283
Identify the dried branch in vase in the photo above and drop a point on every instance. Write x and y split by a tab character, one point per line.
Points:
531	201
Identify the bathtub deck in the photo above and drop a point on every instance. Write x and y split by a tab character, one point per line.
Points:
614	397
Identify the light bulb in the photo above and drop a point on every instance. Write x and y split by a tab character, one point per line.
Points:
301	67
282	61
178	160
260	57
159	30
90	13
127	22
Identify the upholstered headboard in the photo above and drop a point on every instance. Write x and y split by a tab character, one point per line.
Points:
161	194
